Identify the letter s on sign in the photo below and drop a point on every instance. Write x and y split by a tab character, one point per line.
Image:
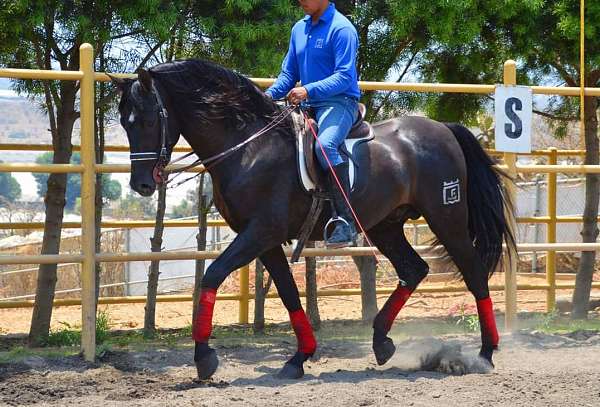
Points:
510	107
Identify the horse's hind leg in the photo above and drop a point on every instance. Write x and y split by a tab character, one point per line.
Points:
411	269
278	267
453	233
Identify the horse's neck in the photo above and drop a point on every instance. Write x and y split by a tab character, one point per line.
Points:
215	139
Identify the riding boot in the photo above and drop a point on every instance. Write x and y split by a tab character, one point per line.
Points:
344	233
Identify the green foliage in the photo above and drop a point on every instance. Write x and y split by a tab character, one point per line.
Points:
249	36
134	206
111	189
102	326
65	336
184	210
10	190
549	320
542	35
464	316
70	335
187	207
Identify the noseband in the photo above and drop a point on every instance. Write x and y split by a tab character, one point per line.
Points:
163	156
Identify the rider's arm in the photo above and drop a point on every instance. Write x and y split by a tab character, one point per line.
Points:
345	45
289	74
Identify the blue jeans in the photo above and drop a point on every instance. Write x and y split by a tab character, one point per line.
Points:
335	116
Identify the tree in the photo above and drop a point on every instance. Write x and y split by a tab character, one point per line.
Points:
111	189
133	206
47	35
248	36
10	190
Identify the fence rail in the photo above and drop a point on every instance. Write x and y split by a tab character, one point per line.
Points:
88	168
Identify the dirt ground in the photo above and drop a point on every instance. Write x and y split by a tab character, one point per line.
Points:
532	369
178	315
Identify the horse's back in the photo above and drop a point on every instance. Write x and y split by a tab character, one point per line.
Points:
410	158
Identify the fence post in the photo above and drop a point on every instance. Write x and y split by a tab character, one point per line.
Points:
510	268
88	179
551	234
244	294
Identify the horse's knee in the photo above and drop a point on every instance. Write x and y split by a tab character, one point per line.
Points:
412	276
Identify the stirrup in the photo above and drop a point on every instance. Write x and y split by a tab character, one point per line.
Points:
338	245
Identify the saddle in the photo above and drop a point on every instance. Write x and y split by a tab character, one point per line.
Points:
310	172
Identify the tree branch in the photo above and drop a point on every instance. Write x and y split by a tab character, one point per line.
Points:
387	96
129	34
563	72
554	117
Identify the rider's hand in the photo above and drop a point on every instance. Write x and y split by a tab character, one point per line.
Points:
297	95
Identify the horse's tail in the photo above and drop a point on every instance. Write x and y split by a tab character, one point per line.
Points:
487	200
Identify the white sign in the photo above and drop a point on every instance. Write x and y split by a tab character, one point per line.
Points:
514	106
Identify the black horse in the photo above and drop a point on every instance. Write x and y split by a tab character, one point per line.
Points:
414	167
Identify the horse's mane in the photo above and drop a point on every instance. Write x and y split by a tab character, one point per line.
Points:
212	92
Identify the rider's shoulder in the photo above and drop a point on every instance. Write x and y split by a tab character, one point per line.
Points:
341	22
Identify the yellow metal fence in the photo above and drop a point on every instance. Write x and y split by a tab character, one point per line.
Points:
88	168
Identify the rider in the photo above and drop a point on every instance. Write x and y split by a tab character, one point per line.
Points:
322	56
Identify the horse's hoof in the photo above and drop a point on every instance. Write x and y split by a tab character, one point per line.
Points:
486	354
290	372
207	365
384	350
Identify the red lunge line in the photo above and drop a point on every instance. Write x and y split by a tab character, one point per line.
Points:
203	324
489	332
393	305
307	343
339	184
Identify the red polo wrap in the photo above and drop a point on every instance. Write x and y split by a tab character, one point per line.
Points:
203	324
489	332
307	343
393	306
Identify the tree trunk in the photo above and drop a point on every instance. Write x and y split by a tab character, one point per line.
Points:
203	208
589	233
367	268
154	272
55	203
261	290
312	305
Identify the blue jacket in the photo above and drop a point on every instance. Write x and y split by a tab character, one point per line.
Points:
322	57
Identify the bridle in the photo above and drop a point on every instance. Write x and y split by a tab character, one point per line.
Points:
163	157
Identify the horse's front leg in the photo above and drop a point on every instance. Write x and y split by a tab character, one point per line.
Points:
247	246
278	266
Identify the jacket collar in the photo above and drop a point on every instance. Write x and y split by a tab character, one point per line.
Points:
326	17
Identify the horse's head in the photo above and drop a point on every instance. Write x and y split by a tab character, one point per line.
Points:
144	117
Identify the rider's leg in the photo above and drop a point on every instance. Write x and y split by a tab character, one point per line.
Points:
335	117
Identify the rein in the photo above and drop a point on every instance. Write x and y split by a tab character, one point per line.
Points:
217	158
164	157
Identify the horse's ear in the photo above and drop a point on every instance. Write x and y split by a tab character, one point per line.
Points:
145	80
120	83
